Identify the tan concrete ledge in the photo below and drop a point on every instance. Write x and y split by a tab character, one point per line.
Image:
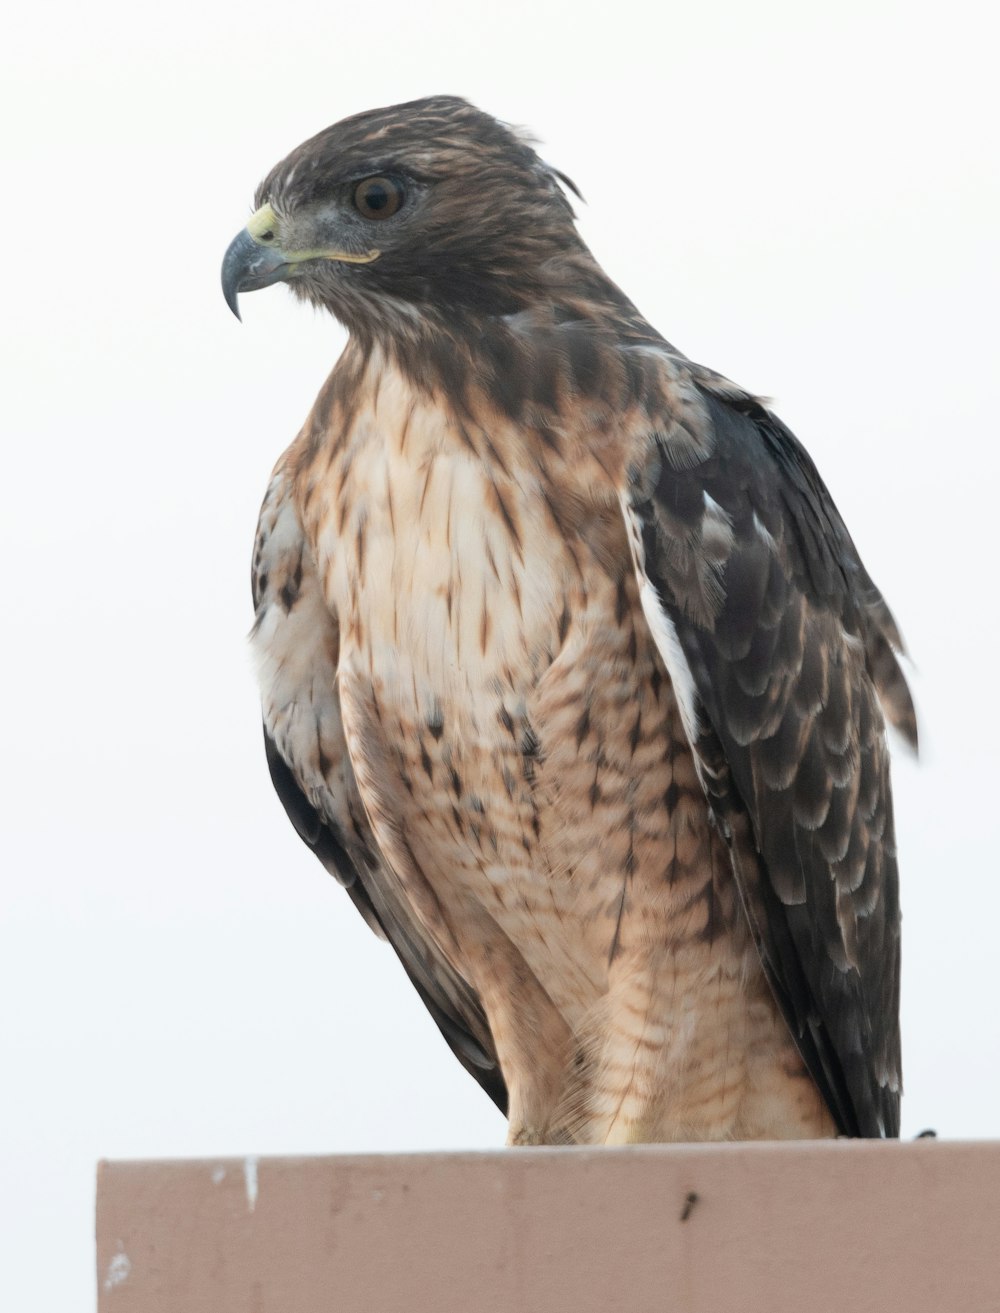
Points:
844	1226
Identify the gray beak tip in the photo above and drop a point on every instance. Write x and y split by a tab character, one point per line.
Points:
248	266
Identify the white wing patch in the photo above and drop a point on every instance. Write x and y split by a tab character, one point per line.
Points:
716	530
663	629
764	533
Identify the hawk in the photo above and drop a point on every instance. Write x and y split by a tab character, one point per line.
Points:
571	673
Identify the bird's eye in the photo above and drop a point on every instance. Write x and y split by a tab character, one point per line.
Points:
378	198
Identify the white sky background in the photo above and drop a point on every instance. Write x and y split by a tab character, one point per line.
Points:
806	200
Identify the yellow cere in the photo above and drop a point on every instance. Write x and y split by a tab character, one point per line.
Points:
264	221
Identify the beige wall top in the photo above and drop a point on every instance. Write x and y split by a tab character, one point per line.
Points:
847	1226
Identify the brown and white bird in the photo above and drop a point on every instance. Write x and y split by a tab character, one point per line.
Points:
571	672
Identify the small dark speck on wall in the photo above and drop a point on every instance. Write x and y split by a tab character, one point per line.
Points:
689	1202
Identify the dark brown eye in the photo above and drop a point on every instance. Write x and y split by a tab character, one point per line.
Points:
378	198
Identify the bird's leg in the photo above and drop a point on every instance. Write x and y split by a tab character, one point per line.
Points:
532	1040
632	1074
671	1059
672	1064
534	1076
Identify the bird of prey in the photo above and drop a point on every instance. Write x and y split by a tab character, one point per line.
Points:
571	672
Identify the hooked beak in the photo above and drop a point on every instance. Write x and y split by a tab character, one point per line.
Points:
253	259
256	259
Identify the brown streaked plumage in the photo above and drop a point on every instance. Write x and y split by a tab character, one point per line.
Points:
570	670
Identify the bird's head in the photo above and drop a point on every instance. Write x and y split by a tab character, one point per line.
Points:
430	210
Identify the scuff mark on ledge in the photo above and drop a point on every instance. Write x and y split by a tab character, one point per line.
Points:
118	1270
250	1177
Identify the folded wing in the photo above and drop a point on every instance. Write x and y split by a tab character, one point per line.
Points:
783	655
295	641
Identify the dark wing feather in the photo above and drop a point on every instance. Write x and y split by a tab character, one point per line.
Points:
450	1002
767	617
